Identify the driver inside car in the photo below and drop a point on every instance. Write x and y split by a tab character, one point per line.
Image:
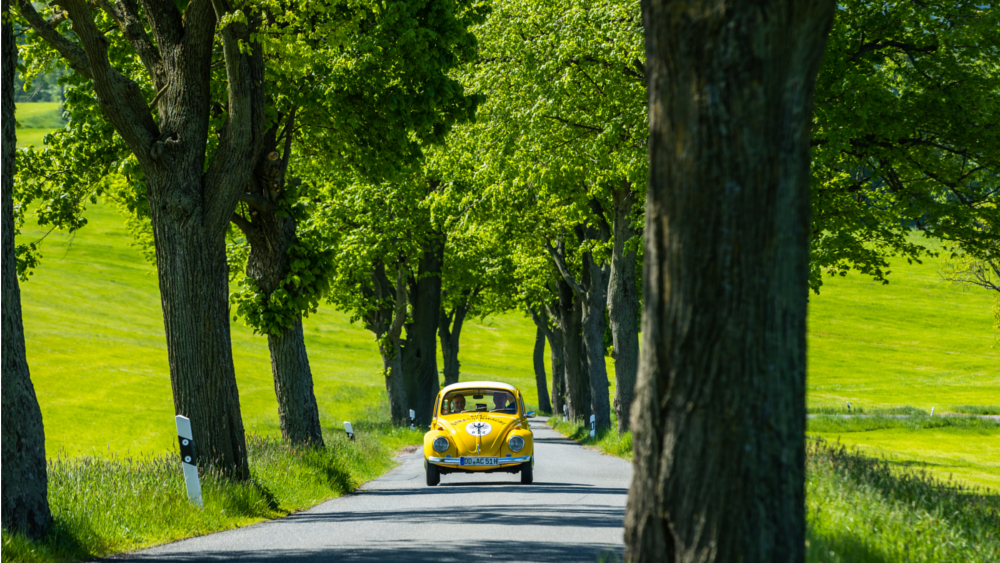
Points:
458	404
500	400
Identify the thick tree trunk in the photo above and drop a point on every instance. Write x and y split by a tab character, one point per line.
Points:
25	505
271	234
623	307
449	332
194	289
192	194
420	347
594	303
719	418
538	357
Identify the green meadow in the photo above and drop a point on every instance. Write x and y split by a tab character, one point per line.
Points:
35	120
98	358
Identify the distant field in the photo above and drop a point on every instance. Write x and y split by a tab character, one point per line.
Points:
36	120
919	341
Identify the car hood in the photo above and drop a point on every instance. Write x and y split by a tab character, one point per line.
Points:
472	429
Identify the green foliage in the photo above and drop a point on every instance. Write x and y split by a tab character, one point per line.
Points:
863	510
992	410
905	134
298	294
111	504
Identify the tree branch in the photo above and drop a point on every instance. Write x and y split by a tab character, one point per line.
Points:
242	223
126	14
258	201
73	53
560	261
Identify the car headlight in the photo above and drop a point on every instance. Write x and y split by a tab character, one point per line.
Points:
516	443
441	444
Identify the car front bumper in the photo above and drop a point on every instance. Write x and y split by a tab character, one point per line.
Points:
454	461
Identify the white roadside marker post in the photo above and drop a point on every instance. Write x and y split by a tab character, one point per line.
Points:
565	413
932	411
593	427
186	439
413	420
848	406
350	430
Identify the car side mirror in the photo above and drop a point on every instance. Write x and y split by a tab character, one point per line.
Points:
529	414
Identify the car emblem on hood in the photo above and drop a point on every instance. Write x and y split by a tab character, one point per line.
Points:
479	428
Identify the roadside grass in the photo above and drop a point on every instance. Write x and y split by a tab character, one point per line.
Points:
857	409
608	442
957	448
992	410
864	510
112	504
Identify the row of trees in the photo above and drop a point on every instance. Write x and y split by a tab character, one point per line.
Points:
419	163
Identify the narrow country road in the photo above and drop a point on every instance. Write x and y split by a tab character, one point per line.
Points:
572	512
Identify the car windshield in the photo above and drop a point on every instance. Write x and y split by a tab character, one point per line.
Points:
479	400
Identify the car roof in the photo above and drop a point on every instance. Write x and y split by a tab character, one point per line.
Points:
477	385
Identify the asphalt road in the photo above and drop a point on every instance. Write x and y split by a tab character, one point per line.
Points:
572	512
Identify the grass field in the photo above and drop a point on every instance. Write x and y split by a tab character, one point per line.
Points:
94	335
36	120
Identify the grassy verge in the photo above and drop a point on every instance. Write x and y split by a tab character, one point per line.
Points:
862	509
865	510
963	448
108	505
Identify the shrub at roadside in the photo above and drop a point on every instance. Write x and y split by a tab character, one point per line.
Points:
608	442
107	505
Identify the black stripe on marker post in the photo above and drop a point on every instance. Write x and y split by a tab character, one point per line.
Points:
187	450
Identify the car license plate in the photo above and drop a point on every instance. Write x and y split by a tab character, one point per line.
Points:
480	461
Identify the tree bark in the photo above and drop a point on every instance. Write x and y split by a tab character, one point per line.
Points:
623	306
594	302
577	386
386	321
558	363
271	233
719	418
538	357
25	505
191	197
420	346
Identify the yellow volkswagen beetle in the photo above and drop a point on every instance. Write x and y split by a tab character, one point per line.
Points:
479	427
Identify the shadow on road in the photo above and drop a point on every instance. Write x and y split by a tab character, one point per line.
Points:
447	550
582	516
460	487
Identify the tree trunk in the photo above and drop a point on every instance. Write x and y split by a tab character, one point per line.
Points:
623	307
420	347
556	351
25	505
194	289
392	369
293	386
719	418
386	322
577	388
449	331
271	233
538	357
192	194
594	327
